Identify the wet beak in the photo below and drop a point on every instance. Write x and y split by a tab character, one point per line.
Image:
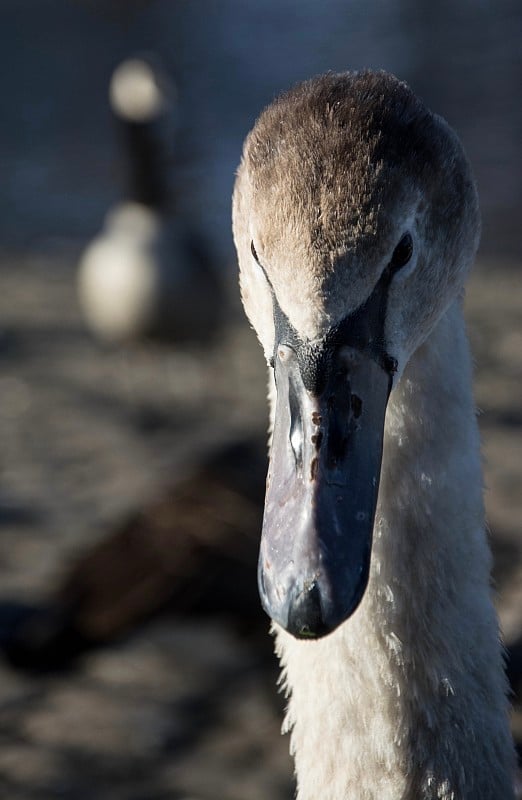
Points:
322	490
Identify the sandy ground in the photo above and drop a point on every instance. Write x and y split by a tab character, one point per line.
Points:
178	710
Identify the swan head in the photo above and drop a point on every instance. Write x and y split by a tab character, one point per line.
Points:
355	218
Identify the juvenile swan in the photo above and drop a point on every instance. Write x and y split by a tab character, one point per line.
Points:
356	221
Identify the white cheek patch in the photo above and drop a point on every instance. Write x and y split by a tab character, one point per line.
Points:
264	299
258	270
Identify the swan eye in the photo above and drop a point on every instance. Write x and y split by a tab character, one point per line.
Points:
253	251
403	252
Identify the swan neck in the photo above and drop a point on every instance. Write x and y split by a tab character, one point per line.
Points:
410	688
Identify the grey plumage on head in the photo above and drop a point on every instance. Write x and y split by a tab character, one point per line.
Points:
348	125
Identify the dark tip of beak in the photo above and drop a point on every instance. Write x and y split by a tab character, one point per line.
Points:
305	614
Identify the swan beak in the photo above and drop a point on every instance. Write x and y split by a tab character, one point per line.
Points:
322	487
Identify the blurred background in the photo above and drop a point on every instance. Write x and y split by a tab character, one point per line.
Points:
136	660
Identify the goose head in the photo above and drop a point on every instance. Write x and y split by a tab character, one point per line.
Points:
355	219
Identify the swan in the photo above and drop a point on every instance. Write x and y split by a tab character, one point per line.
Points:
146	274
355	218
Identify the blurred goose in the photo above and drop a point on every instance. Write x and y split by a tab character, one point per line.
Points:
356	220
146	274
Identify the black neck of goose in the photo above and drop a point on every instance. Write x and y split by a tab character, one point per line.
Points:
146	166
363	330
